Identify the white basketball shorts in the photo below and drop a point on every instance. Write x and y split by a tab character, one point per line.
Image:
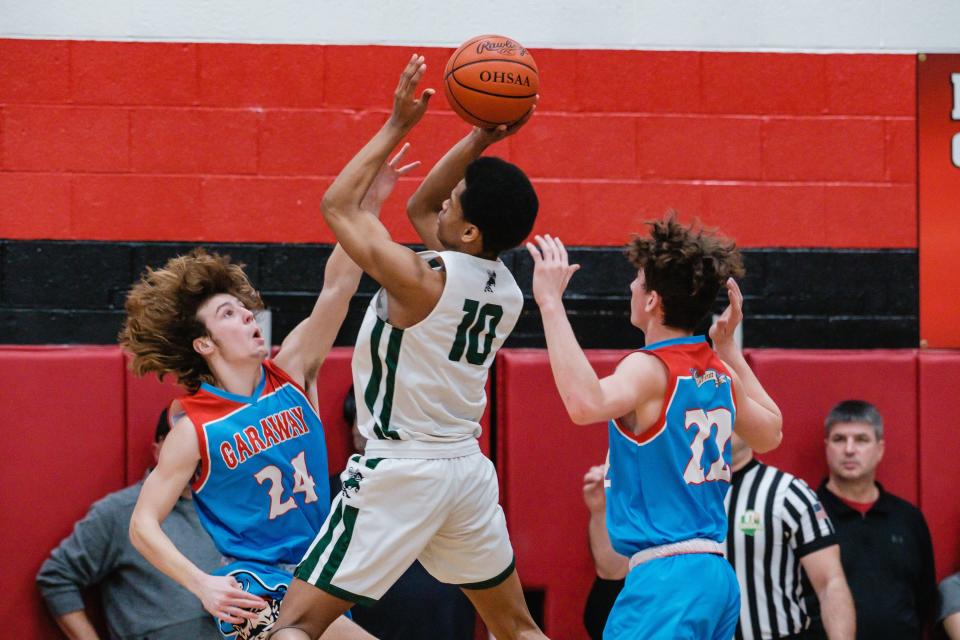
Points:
392	511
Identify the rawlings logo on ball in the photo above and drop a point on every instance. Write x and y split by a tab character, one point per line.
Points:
506	47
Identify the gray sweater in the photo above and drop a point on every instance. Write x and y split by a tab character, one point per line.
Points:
140	602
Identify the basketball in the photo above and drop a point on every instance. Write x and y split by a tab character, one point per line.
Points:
491	80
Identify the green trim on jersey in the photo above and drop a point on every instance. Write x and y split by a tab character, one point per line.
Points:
373	462
494	581
376	372
393	357
381	427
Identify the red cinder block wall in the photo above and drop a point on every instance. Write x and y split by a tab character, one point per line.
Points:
236	142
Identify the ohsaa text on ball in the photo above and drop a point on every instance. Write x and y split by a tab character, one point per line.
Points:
504	77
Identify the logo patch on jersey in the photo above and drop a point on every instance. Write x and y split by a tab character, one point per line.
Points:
352	483
750	522
710	375
491	281
819	511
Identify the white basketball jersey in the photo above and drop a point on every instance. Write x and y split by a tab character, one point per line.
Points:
420	391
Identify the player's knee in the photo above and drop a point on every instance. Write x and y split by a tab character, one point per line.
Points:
289	632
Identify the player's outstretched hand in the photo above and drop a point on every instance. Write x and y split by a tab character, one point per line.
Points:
225	599
386	180
407	108
495	134
723	329
593	494
551	269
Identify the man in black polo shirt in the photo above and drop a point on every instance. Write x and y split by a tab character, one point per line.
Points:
884	540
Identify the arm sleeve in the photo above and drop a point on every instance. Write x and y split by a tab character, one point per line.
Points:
81	560
811	525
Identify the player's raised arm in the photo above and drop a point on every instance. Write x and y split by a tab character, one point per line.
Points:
425	204
587	398
360	233
759	421
305	348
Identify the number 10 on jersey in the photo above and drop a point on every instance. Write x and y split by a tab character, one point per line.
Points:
477	320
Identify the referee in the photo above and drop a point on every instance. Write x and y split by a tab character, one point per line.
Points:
776	526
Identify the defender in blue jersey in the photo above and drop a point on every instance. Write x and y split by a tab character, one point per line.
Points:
671	409
247	438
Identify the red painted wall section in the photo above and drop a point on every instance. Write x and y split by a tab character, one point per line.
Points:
233	142
939	187
939	496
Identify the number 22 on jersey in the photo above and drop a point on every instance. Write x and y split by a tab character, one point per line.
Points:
719	424
302	483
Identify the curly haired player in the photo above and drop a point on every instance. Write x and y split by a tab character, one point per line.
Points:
671	407
247	439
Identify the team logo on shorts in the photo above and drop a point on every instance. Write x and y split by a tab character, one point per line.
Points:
352	483
749	523
257	628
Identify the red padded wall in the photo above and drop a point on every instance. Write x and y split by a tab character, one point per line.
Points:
146	397
806	384
90	435
541	459
62	412
939	495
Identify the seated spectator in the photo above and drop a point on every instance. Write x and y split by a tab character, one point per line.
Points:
417	606
885	544
139	601
950	606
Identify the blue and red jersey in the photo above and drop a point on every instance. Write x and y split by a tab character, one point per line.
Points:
667	484
261	490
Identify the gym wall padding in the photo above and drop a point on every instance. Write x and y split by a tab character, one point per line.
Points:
62	414
939	493
541	459
806	384
80	425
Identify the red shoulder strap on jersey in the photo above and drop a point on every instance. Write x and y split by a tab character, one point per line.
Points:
275	371
653	430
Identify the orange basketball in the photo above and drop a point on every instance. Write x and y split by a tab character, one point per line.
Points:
491	80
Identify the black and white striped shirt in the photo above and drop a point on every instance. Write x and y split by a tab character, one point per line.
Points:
774	519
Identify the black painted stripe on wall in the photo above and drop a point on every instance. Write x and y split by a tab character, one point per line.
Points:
73	292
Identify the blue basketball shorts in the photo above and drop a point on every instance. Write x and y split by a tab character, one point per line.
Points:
682	597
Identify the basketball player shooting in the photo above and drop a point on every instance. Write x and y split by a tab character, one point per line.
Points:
423	490
671	407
